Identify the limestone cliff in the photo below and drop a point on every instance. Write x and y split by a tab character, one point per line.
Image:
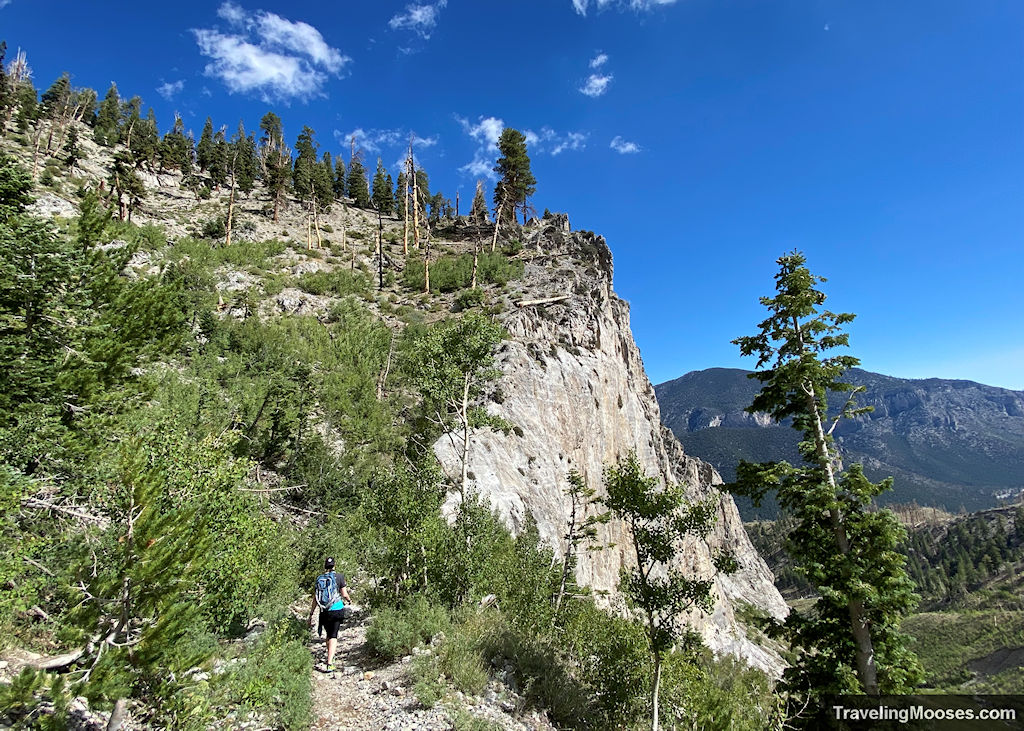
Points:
574	385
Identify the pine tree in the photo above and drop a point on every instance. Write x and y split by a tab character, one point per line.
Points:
381	190
356	186
402	195
219	160
6	97
131	116
339	179
275	160
126	187
516	183
57	107
392	203
73	153
206	149
146	140
108	118
843	545
176	149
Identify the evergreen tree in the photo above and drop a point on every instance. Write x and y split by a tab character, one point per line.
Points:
176	149
86	100
844	546
57	107
516	183
401	195
206	149
146	140
125	186
108	118
356	186
339	178
219	160
382	198
6	97
73	153
275	160
392	203
306	155
659	521
131	117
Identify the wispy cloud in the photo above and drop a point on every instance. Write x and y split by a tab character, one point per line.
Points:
169	89
376	140
599	60
268	55
420	19
582	6
5	3
596	85
624	147
487	130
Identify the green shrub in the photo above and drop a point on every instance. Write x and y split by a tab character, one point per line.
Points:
395	632
451	273
469	298
275	679
338	283
214	228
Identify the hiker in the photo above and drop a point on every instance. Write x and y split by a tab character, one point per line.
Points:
330	595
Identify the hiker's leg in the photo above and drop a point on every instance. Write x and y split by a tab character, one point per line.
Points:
332	645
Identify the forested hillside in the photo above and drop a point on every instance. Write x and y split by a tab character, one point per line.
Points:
224	361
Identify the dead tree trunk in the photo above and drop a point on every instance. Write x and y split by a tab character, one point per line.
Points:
476	261
497	223
415	202
426	264
231	211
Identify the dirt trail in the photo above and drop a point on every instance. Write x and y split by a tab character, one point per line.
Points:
364	693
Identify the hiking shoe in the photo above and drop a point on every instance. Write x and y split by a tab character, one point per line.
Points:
330	668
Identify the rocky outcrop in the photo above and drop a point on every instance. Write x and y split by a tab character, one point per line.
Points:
573	385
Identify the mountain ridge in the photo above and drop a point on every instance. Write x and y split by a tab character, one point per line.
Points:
951	443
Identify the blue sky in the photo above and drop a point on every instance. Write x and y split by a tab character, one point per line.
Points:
702	138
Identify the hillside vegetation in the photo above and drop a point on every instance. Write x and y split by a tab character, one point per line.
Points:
189	426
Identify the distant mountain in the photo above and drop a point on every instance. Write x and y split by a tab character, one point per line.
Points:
951	444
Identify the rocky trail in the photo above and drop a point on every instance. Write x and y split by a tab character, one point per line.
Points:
365	693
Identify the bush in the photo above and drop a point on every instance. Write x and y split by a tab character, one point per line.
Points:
275	679
451	273
214	228
338	283
469	298
395	632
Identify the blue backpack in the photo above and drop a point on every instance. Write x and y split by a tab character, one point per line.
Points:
327	590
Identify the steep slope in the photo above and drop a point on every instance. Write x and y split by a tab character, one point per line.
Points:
948	443
574	386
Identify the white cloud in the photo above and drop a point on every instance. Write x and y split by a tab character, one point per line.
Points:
271	56
375	140
581	6
487	130
169	89
5	3
572	141
421	19
596	85
599	60
623	147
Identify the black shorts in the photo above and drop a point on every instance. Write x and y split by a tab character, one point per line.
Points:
331	621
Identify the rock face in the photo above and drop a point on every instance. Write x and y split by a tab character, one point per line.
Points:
574	386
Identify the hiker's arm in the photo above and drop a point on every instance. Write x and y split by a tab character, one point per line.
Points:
345	596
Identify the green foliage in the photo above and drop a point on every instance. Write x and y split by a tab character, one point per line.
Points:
396	631
275	679
516	183
659	520
452	273
850	640
338	283
469	298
